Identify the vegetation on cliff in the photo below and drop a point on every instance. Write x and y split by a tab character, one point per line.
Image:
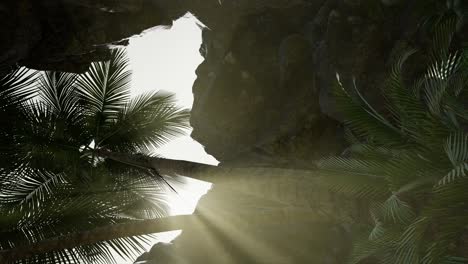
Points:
409	162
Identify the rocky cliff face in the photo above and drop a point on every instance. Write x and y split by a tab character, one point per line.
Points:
262	95
66	35
256	96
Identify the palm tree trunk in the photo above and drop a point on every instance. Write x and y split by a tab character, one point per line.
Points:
287	186
99	234
164	166
199	171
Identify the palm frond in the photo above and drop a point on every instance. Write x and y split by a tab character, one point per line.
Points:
396	210
128	248
73	210
381	248
419	147
17	87
447	210
30	189
409	244
146	122
363	119
58	91
443	33
437	82
105	88
48	141
456	148
454	260
402	101
354	177
50	189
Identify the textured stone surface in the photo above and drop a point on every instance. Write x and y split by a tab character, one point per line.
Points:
256	100
67	35
262	95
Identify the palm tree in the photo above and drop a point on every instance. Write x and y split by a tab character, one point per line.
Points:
81	181
409	162
54	182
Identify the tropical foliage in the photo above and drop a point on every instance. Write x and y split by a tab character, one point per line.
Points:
409	161
52	180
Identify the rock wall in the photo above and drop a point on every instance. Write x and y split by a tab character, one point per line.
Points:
256	90
262	96
67	35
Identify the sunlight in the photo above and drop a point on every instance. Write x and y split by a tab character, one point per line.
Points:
188	194
166	59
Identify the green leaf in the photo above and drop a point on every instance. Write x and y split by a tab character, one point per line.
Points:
105	89
145	122
456	148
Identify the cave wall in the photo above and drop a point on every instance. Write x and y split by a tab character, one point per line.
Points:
262	95
67	35
256	89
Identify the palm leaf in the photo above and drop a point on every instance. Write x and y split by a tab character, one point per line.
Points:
17	87
381	248
447	211
58	92
456	148
444	31
396	210
105	89
30	189
355	177
402	101
363	119
145	122
420	149
454	260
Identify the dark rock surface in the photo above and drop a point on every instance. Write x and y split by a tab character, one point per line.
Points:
262	95
67	35
256	97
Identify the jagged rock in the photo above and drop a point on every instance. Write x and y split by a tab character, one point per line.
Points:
250	120
262	95
67	35
284	111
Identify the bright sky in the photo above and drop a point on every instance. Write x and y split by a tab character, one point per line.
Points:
166	59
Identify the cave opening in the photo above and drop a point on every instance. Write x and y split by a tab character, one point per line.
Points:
165	59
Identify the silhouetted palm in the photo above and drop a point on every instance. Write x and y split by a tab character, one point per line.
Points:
53	183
